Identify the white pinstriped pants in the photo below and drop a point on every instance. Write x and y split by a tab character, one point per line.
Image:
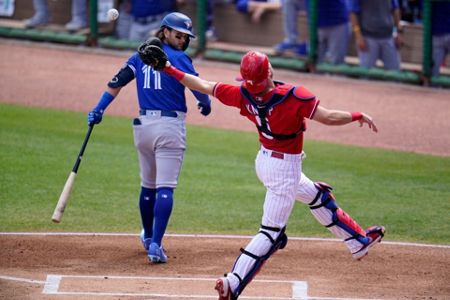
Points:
285	184
281	178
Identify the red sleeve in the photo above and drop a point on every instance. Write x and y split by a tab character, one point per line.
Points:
228	94
313	106
309	101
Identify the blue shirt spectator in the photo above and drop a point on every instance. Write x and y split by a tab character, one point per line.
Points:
440	29
333	31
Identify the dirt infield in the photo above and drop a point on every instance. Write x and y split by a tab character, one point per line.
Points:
409	118
389	272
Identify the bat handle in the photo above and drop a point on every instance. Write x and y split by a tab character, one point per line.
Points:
83	147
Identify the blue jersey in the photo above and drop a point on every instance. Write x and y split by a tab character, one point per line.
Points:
332	12
158	90
440	20
145	8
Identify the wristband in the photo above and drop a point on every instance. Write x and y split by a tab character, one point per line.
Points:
356	116
104	101
174	72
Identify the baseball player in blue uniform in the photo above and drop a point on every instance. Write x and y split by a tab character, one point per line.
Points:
160	130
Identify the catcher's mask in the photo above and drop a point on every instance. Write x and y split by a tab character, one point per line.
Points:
255	71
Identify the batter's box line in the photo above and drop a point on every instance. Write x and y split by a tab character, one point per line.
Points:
51	286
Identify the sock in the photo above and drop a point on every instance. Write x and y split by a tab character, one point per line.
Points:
162	212
146	206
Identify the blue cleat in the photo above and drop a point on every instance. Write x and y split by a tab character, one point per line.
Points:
145	242
156	253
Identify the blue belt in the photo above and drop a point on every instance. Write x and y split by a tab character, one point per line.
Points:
164	113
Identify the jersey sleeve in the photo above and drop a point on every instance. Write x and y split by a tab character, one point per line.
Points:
132	62
309	101
228	94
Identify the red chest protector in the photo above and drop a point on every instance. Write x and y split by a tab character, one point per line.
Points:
283	91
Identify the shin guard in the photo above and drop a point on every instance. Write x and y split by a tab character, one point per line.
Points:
328	213
250	272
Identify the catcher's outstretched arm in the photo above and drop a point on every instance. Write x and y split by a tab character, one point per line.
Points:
190	81
338	117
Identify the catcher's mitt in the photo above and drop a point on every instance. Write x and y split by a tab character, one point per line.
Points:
152	54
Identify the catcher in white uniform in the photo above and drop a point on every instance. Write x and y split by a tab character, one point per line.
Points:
279	111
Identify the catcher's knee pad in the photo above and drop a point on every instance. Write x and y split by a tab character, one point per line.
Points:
278	240
328	213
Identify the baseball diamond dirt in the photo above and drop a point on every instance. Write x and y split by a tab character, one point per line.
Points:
409	118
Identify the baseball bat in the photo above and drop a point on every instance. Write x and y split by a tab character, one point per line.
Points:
64	197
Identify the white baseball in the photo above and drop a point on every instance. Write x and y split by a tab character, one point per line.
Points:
113	14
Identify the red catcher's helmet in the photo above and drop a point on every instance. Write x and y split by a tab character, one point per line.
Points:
255	71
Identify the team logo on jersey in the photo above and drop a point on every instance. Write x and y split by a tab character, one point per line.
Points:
254	111
251	109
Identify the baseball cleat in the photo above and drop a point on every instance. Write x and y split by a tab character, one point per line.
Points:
156	253
374	235
145	242
223	289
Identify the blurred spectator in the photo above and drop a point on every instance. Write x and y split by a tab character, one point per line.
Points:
376	26
210	30
256	8
146	17
41	14
79	16
211	34
123	24
411	10
440	29
333	31
290	10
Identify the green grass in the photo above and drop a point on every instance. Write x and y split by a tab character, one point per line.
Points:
218	190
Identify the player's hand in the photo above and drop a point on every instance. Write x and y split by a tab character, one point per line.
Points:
95	117
204	108
369	121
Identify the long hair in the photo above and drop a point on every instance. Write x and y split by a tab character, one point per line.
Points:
160	33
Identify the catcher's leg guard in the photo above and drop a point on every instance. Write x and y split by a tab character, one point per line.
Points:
246	271
328	213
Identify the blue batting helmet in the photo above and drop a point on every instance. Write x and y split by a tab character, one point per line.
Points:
178	22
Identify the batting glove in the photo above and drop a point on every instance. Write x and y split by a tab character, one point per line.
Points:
95	117
204	108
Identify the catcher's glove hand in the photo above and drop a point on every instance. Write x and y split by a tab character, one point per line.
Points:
152	54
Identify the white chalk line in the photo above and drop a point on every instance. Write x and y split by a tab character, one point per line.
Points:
394	243
20	279
53	281
51	287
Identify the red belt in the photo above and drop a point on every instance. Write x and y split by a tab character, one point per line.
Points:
277	155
